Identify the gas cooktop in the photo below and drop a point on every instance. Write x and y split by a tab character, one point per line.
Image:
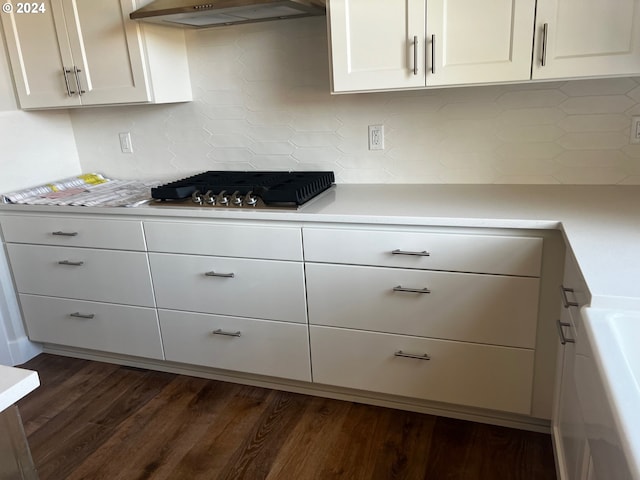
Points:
238	189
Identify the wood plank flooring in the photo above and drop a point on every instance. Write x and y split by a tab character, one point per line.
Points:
92	420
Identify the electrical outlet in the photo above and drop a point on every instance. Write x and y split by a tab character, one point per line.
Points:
376	137
125	142
635	130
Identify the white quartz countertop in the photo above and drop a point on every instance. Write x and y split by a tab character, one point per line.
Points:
15	383
600	223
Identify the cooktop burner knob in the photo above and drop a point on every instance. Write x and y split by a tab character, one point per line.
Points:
251	200
237	199
223	199
209	198
196	197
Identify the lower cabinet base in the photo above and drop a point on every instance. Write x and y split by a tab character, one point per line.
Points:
522	422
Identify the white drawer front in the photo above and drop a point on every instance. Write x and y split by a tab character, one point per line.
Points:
74	232
253	346
490	309
453	252
497	378
224	240
96	326
101	275
266	289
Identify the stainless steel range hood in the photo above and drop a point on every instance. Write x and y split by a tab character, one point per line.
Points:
216	13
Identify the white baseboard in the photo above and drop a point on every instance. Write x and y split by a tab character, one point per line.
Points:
520	422
22	350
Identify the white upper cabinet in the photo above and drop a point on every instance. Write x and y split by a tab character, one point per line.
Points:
577	38
88	52
382	44
37	57
377	44
405	44
479	42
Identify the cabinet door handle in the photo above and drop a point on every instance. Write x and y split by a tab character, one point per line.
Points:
217	274
415	55
68	262
76	72
82	315
227	334
400	288
564	340
545	34
417	356
65	73
423	253
65	234
433	54
565	301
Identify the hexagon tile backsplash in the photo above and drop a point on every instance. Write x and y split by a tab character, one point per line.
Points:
262	101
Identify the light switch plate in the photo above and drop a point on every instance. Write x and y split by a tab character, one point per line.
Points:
635	130
125	142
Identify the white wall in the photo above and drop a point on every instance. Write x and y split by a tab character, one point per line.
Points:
262	102
36	148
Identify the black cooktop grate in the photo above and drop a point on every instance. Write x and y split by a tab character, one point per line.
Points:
273	187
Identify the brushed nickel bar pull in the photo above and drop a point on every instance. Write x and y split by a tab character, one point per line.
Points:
65	234
565	301
545	34
68	262
82	315
433	54
564	340
423	253
65	72
415	55
228	334
76	72
417	356
400	288
216	274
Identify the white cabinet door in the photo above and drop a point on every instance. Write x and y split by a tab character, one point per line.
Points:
65	231
498	254
97	326
493	309
462	373
112	276
586	38
107	49
87	52
242	287
569	433
479	42
377	44
39	51
224	240
568	425
248	345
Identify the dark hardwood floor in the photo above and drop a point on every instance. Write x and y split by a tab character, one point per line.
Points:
91	420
